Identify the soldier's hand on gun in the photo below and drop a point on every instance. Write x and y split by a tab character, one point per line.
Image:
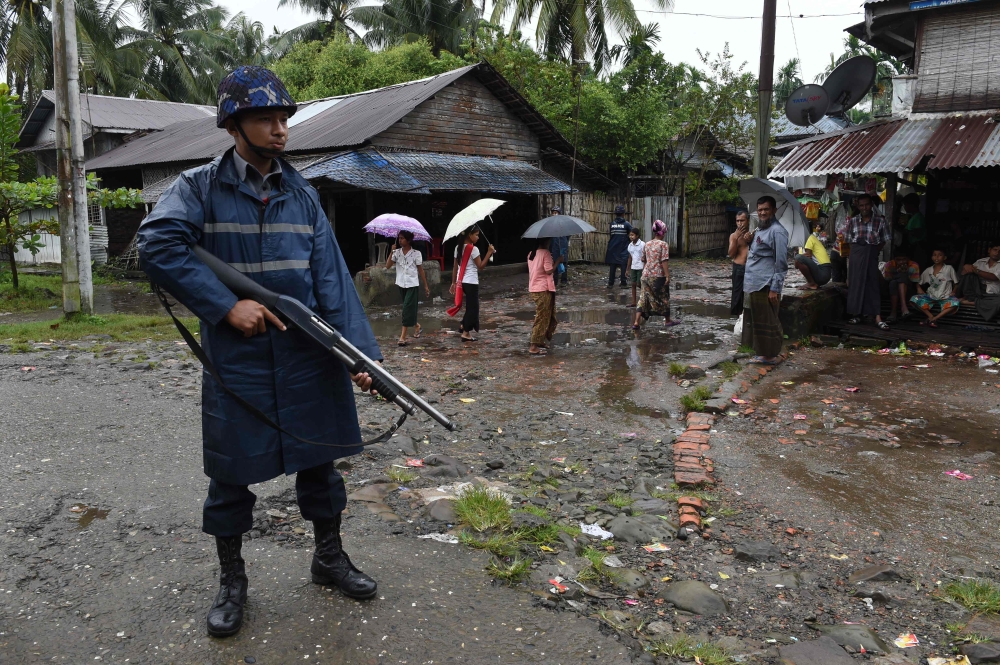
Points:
364	381
250	317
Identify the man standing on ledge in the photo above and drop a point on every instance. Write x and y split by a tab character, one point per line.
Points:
867	233
767	264
739	246
616	256
251	209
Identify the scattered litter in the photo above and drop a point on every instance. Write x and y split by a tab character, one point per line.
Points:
558	586
630	602
441	538
466	400
425	360
594	530
559	460
547	443
737	400
546	548
611	561
28	369
853	390
955	473
666	579
630	435
954	660
414	462
561	413
788	383
707	520
656	547
713	587
838	557
774	401
723	576
78	508
906	640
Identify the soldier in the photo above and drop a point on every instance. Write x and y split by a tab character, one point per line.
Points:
250	208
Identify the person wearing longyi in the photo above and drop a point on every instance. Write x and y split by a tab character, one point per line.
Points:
465	280
251	209
767	265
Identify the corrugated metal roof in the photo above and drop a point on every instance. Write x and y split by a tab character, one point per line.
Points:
782	127
113	113
476	174
366	169
191	141
951	141
959	141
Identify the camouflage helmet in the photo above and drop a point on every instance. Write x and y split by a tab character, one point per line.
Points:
252	87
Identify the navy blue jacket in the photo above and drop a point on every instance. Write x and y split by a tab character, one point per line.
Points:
286	245
618	242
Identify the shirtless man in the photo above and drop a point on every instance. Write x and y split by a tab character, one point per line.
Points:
739	246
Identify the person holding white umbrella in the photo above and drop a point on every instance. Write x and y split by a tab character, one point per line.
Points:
465	280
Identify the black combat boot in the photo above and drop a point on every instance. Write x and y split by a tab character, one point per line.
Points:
331	565
226	615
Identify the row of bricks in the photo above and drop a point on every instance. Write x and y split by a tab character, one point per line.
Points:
691	467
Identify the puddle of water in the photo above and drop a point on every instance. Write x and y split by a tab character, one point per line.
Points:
88	514
881	451
711	310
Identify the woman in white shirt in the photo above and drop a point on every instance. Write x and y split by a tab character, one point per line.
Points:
468	263
409	274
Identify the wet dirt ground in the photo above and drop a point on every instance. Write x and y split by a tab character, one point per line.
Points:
103	555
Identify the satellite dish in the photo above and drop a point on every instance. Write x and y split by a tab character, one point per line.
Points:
807	105
849	83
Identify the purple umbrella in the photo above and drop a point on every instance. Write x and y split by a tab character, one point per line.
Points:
390	224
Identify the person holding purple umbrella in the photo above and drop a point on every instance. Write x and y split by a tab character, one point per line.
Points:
409	274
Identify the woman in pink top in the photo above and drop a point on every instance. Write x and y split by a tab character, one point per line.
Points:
542	287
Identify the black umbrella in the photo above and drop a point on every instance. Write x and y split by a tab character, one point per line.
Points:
557	226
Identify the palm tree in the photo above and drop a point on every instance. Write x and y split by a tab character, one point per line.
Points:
183	41
26	47
573	29
639	43
335	17
787	81
109	65
246	43
441	22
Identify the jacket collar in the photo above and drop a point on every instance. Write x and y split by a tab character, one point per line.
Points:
226	171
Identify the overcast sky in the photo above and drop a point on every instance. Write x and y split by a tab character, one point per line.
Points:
682	32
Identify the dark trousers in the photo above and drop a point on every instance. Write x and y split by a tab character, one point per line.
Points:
470	321
611	273
228	509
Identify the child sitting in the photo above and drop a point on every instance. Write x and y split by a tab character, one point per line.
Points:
903	276
941	280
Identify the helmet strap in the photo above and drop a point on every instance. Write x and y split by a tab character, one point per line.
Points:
267	153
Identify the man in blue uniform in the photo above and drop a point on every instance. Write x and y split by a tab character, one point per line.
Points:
616	256
254	211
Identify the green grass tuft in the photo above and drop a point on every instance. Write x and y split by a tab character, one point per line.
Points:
729	368
534	510
499	544
619	500
512	572
483	509
745	349
979	595
401	476
702	392
684	648
677	369
692	403
119	327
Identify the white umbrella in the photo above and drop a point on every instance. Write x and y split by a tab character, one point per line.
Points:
473	214
789	212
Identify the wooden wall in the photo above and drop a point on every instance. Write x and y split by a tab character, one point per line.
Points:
708	228
464	118
958	61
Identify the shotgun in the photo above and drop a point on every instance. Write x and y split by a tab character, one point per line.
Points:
303	318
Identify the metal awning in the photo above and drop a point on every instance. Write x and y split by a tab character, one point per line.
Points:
940	141
424	172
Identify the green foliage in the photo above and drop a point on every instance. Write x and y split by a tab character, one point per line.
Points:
619	500
695	400
483	508
119	327
729	368
702	392
677	369
313	70
512	572
685	648
979	595
499	543
401	476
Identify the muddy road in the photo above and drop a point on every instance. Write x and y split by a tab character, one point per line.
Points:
100	501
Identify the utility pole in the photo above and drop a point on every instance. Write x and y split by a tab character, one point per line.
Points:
578	67
74	233
765	92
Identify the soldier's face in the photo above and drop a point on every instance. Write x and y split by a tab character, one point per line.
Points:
266	128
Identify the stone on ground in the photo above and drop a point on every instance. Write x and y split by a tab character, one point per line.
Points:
853	636
983	652
695	597
874	574
373	493
641	529
756	550
442	511
823	651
